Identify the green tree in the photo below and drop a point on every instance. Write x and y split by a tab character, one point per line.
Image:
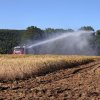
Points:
86	28
98	32
58	30
8	39
33	33
49	30
70	30
97	42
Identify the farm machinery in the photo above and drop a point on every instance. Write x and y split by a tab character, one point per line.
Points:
25	50
19	50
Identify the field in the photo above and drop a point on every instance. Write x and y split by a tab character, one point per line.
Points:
49	77
14	67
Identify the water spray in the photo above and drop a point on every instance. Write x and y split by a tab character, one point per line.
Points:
72	43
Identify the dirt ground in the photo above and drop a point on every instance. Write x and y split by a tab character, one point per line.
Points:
77	83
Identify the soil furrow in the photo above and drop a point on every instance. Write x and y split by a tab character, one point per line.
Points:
77	83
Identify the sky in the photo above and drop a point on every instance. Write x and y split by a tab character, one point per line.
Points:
19	14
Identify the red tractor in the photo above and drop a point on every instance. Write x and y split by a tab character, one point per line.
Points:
25	49
19	50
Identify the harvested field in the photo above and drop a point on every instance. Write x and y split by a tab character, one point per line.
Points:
14	67
76	81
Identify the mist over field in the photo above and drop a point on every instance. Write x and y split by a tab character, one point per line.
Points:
77	43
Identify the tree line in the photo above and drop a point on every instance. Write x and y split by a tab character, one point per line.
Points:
11	38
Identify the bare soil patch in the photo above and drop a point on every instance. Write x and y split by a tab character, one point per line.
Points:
77	83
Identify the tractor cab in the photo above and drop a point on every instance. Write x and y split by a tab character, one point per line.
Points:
19	50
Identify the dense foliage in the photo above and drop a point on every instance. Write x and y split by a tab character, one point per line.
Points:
9	39
87	28
12	38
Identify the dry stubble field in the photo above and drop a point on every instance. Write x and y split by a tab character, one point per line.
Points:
49	77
